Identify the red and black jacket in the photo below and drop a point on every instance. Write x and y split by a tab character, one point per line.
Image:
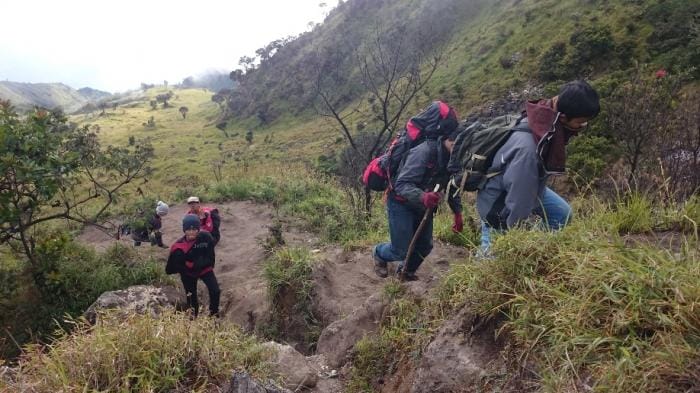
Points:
194	258
210	221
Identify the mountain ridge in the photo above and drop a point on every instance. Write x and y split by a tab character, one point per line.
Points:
24	96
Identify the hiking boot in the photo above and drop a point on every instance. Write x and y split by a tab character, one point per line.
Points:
379	265
407	276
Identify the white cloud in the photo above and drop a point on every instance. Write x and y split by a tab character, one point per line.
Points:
116	45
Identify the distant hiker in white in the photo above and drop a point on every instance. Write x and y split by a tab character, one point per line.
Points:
148	228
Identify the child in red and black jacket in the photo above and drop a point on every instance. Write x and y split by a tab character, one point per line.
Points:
192	256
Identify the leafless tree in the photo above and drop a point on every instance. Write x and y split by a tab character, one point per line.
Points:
679	148
394	65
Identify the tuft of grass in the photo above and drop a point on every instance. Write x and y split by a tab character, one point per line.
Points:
633	214
586	309
375	356
141	354
289	287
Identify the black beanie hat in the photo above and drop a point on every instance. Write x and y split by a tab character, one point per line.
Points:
190	221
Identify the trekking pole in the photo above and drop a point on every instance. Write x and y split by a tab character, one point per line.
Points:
412	245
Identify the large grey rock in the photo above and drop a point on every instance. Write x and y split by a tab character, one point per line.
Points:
338	338
457	358
139	298
241	382
292	366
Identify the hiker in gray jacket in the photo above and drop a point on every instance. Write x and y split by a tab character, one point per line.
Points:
409	198
534	151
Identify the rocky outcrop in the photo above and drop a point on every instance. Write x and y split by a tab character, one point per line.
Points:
338	338
292	366
139	298
241	382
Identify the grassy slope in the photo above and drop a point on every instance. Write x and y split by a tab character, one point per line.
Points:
529	28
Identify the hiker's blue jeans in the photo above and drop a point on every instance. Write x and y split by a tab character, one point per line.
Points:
403	222
553	209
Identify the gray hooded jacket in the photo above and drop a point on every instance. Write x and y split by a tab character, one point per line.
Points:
514	193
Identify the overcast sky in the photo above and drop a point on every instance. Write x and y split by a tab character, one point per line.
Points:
114	46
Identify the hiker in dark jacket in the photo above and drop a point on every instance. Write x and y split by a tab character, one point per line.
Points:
407	201
192	256
536	150
149	229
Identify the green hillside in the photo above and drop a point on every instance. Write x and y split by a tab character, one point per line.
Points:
490	48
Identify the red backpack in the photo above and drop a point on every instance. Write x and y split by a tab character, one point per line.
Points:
436	120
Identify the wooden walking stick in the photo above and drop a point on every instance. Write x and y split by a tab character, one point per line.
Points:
412	245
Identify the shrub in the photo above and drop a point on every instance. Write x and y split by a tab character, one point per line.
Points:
588	156
68	278
553	64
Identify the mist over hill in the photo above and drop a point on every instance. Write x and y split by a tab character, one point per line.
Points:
25	96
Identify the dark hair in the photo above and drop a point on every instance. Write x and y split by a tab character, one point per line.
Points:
578	99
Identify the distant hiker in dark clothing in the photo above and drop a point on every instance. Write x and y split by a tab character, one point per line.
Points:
192	256
148	228
407	201
529	157
208	216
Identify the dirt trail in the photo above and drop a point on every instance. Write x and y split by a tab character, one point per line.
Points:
239	255
343	280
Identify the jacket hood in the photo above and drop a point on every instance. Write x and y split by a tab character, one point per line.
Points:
551	138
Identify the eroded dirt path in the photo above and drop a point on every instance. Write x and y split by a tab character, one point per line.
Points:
343	280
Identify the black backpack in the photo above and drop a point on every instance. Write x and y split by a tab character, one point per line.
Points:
436	120
475	148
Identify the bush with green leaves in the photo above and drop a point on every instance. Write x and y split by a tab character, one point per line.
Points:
675	38
73	276
588	156
67	278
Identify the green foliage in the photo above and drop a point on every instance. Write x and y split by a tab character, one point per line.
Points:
142	354
70	277
591	45
290	268
376	356
51	170
552	64
10	275
580	302
633	214
675	37
289	287
66	279
588	155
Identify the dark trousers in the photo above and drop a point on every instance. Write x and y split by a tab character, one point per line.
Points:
403	223
190	284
